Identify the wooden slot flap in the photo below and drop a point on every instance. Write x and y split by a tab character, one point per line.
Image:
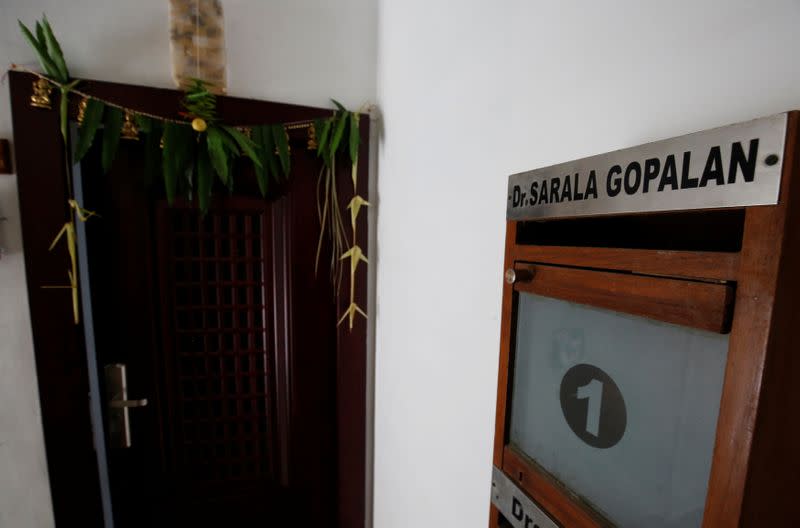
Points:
709	265
703	305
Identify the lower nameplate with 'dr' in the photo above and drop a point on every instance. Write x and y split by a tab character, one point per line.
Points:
515	506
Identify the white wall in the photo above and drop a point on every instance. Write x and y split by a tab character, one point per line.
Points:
303	51
476	90
471	92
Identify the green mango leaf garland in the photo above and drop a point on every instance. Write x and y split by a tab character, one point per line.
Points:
219	144
92	117
199	150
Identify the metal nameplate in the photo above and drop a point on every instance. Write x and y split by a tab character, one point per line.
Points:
515	506
732	166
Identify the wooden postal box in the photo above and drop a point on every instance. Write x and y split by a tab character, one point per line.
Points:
648	356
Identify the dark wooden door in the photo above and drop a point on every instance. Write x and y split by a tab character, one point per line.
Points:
224	328
320	463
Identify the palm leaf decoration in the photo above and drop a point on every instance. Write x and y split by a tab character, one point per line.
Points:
205	176
337	135
218	145
51	59
218	153
53	49
40	48
112	127
192	155
263	140
199	102
273	147
175	160
153	131
245	144
92	117
281	140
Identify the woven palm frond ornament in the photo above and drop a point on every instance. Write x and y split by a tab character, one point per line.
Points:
197	41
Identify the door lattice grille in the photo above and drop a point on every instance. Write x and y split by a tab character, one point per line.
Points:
218	320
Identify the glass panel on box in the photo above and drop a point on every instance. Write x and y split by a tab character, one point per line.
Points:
621	409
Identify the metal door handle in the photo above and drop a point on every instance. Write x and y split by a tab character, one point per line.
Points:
119	425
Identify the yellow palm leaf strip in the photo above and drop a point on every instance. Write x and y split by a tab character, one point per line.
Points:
355	206
351	311
356	255
68	229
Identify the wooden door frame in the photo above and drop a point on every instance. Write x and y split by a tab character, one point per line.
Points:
754	469
59	344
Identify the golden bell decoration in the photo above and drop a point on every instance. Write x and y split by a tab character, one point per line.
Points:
199	124
129	128
288	147
312	137
82	110
41	94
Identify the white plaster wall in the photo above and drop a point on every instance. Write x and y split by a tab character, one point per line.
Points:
471	92
303	51
24	490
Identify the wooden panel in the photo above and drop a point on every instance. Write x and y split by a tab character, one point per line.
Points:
124	310
553	497
58	343
316	458
773	478
690	264
503	375
351	359
764	331
696	304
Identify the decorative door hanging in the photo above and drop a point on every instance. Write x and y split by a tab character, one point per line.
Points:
196	150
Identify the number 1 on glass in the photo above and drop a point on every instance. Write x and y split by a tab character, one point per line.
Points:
593	391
